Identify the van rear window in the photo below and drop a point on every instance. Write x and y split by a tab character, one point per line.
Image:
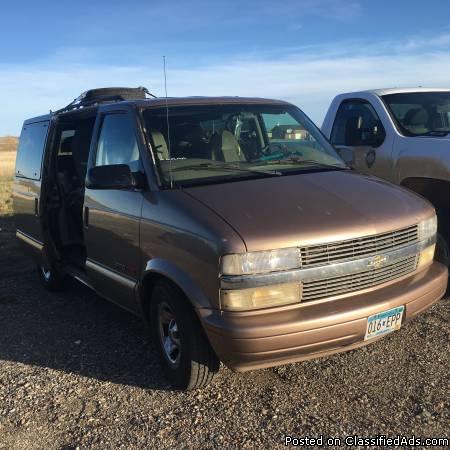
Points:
31	149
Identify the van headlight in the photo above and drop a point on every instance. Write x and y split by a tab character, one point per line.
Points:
260	262
427	228
260	297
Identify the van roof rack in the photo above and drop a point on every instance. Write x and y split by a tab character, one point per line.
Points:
109	94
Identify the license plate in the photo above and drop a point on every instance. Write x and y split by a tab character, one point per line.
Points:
384	322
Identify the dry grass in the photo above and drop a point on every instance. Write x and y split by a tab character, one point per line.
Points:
6	196
7	163
8	146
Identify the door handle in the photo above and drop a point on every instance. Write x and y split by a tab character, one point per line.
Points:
36	207
86	216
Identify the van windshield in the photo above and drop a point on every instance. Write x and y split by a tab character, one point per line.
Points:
221	143
420	113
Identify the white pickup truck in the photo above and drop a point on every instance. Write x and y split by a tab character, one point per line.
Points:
402	135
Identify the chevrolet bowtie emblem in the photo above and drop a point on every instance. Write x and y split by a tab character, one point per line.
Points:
377	261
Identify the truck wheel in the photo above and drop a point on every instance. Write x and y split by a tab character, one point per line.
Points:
442	250
51	279
185	353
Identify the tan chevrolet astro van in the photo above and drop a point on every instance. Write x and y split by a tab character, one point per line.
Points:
230	224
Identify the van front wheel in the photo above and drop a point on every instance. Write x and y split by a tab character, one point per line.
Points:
185	353
442	250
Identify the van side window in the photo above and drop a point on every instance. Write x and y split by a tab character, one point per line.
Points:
30	151
65	142
117	142
357	124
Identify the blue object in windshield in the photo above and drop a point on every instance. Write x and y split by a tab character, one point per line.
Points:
278	156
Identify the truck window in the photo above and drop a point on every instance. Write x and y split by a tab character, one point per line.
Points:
30	151
117	142
420	113
357	123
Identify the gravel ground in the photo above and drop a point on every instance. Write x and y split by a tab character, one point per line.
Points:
76	371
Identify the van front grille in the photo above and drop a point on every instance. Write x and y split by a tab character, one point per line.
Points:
329	287
334	252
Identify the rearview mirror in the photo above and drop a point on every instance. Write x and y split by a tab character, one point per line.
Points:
117	176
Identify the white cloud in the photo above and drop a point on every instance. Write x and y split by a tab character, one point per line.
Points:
309	77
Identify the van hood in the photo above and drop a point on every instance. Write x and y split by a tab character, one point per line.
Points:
311	208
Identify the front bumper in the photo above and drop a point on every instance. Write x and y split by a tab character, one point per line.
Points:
257	339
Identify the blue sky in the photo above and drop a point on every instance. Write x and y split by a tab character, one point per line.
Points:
305	51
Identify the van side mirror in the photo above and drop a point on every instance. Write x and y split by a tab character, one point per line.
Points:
117	176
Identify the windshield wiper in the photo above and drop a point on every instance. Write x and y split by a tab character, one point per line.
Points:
295	160
232	167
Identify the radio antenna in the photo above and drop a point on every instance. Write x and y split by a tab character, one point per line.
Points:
168	125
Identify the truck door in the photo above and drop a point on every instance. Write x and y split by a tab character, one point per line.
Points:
360	138
112	216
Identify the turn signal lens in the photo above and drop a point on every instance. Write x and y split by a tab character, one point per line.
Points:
261	297
426	256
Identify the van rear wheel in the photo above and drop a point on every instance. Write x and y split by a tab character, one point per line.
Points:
187	358
51	279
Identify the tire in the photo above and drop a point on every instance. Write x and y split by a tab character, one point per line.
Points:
442	250
50	278
186	356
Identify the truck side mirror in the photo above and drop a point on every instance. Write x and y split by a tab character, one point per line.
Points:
375	137
116	176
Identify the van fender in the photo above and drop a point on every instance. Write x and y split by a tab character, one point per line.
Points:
169	270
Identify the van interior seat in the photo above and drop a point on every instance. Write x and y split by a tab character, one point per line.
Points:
225	147
66	145
191	142
80	148
72	166
67	174
159	144
66	164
